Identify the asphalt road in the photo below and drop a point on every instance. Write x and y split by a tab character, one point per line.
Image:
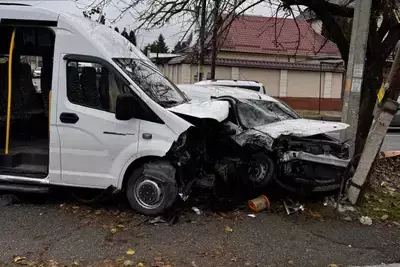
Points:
392	140
68	233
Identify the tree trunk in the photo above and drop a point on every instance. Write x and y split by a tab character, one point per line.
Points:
214	39
202	39
372	81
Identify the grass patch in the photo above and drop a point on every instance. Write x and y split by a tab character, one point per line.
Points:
377	204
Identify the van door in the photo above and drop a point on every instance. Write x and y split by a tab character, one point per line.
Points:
94	144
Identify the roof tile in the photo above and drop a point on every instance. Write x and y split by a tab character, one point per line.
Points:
276	36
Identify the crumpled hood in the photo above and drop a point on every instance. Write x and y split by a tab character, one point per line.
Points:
213	109
300	127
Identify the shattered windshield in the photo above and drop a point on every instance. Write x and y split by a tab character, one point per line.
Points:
152	82
253	113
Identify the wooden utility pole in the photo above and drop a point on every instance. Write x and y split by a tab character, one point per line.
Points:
351	105
387	107
202	35
215	38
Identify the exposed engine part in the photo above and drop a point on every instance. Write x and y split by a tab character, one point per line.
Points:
316	145
291	207
323	158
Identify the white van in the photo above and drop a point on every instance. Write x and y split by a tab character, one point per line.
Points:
102	118
249	85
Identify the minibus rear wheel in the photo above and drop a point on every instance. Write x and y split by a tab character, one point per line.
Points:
152	188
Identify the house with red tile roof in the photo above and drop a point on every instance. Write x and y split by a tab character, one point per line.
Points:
293	61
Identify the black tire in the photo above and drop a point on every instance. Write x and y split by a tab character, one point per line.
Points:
161	173
265	175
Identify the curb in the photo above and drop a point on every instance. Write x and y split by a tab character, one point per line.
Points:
389	154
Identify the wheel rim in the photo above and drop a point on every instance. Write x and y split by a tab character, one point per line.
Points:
148	193
258	171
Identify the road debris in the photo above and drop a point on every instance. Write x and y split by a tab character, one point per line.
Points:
348	219
343	207
291	207
365	220
259	204
157	220
18	258
197	210
251	215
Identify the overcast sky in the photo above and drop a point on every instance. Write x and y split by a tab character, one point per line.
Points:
172	32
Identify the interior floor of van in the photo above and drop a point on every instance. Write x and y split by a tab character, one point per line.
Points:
28	114
29	159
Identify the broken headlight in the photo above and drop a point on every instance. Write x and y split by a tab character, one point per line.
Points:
181	141
178	151
345	151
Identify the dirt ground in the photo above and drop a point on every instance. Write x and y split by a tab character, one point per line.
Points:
58	231
382	198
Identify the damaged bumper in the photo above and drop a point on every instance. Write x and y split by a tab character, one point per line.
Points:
313	165
323	159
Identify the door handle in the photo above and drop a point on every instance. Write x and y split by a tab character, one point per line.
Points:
66	117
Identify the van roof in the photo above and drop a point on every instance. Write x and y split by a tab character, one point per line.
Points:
109	42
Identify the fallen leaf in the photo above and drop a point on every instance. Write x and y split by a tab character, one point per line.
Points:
120	226
76	263
113	230
140	264
384	217
130	252
332	265
228	229
120	259
18	258
128	263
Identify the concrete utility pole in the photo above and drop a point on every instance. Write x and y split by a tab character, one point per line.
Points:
202	38
355	71
387	108
349	70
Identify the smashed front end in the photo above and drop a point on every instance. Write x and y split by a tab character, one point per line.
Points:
311	164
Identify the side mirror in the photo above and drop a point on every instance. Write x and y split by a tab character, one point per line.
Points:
125	107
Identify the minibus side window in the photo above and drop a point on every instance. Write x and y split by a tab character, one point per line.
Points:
93	85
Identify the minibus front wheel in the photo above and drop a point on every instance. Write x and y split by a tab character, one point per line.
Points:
152	188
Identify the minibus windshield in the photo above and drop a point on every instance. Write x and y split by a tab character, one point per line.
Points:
152	82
